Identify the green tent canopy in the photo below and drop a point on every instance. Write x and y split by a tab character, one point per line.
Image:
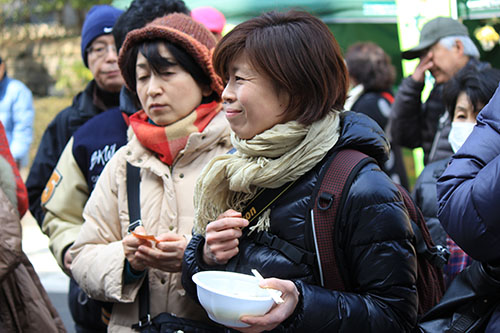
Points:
333	11
355	20
328	10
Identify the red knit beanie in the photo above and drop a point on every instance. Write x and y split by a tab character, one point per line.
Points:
181	30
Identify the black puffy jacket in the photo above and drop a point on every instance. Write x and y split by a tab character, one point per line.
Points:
376	239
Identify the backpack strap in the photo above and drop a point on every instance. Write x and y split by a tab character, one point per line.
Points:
262	201
289	250
134	211
334	182
437	255
133	193
330	192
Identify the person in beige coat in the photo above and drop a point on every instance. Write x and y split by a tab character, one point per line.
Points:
180	129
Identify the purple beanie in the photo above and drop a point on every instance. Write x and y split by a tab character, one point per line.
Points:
99	21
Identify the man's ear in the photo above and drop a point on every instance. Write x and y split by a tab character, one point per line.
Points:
459	46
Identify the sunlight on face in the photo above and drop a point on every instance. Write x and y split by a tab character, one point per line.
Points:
251	102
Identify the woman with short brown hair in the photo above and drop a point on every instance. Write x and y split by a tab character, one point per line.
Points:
286	83
314	87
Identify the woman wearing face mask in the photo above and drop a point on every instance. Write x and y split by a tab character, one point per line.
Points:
167	64
469	193
465	95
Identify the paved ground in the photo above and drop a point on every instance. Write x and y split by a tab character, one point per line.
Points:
35	245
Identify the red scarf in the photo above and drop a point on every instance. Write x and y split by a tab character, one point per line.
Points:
168	141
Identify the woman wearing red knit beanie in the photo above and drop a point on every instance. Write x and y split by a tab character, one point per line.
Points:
179	129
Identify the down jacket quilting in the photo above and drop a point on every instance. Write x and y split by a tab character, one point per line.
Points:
469	188
469	191
376	238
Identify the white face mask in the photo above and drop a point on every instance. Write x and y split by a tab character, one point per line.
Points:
459	132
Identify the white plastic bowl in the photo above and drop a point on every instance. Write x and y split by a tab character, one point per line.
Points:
226	296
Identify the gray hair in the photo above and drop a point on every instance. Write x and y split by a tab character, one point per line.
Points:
470	48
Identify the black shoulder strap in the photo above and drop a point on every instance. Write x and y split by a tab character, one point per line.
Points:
334	180
328	199
262	200
437	255
134	211
133	193
258	205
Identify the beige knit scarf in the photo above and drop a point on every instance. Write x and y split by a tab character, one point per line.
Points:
272	158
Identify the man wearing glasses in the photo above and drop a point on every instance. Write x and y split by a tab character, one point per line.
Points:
102	93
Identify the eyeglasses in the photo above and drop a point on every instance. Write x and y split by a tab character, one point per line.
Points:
100	50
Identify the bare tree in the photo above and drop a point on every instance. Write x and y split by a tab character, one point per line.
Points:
27	11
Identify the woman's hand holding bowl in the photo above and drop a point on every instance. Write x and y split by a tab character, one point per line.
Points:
279	312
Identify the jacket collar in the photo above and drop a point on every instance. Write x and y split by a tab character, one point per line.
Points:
127	102
84	103
362	133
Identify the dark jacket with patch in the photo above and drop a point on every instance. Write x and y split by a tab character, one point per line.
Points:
53	141
376	238
97	141
77	172
55	138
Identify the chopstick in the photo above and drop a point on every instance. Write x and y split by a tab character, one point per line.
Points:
275	294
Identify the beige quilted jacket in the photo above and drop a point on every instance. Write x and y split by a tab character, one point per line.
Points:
166	198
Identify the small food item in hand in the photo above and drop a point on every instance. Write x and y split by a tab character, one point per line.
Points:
146	237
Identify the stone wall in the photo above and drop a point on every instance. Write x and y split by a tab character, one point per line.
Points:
45	57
